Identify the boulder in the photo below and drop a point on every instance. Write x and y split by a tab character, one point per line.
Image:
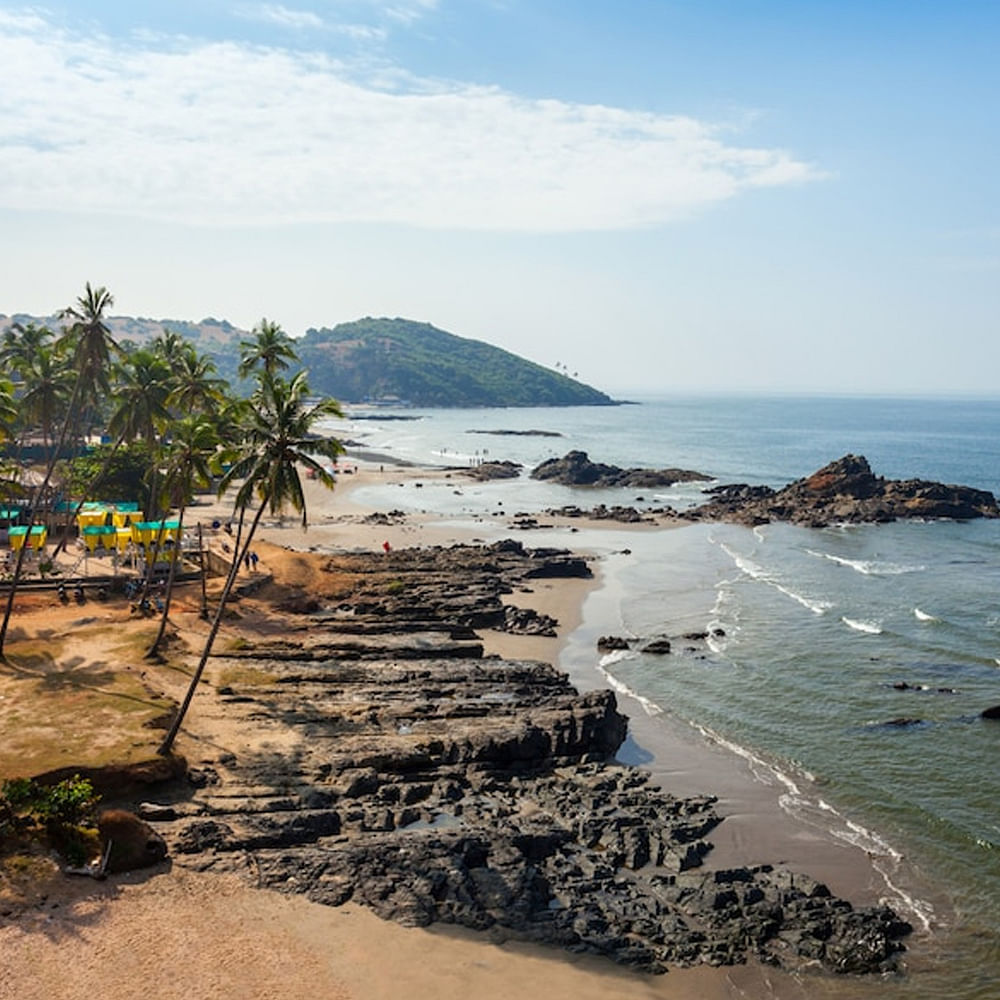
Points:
576	469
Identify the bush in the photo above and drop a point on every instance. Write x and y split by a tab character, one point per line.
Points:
56	813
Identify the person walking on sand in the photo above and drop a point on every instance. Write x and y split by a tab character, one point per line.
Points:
386	547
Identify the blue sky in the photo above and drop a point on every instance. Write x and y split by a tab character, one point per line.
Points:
660	194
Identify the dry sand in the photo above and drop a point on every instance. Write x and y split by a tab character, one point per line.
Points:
172	933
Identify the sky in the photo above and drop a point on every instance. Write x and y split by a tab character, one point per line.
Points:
661	195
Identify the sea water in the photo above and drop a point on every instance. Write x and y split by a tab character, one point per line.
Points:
851	663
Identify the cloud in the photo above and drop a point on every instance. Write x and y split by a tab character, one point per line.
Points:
283	17
224	133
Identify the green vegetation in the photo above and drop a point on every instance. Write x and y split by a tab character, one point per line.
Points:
108	472
378	359
59	815
175	427
398	359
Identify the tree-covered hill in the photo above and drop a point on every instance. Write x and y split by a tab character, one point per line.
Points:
399	359
378	360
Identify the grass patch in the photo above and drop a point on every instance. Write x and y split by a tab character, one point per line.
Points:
245	677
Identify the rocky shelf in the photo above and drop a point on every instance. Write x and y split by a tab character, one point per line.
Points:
397	766
844	491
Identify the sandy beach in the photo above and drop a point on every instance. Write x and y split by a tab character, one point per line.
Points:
182	934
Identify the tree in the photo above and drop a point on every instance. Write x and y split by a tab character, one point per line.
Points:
142	386
277	439
47	384
194	386
194	443
91	345
269	352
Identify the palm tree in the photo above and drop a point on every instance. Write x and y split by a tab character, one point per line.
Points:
270	351
277	438
91	345
195	387
21	342
142	387
46	387
8	409
194	443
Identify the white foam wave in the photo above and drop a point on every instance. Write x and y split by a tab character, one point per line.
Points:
747	566
816	811
923	616
868	567
901	900
766	773
648	706
756	572
816	607
871	628
615	656
758	533
884	858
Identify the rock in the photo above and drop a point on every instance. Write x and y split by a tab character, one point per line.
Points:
576	469
433	784
488	471
991	713
609	643
846	490
657	647
128	842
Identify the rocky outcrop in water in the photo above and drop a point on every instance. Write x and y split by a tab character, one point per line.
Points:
844	491
389	762
576	469
488	471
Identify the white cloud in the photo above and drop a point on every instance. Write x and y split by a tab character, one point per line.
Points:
283	17
220	133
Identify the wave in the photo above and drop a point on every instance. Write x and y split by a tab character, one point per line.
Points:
756	572
616	656
869	567
817	812
648	706
872	628
923	616
816	607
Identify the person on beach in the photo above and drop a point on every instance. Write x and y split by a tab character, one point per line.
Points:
386	547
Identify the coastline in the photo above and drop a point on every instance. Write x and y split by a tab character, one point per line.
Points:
351	953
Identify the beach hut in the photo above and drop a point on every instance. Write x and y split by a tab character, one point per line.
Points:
38	538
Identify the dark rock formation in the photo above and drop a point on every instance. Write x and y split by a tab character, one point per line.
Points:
608	643
576	469
991	713
658	647
487	471
623	515
844	491
529	433
399	768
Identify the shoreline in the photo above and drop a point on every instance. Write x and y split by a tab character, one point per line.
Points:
674	763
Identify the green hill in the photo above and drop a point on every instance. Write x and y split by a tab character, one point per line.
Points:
379	360
401	360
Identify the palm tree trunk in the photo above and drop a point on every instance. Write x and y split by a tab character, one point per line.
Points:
36	500
154	650
238	554
201	563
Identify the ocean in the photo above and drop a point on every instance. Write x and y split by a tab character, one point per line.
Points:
850	664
